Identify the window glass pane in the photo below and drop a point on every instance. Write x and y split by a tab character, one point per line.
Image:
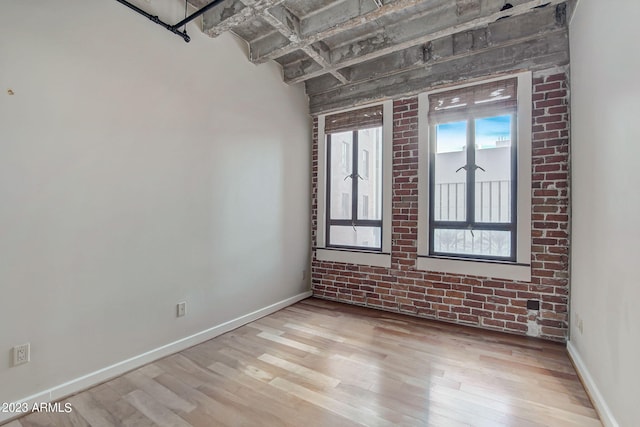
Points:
364	163
493	177
340	168
364	207
370	171
345	205
480	242
366	237
449	200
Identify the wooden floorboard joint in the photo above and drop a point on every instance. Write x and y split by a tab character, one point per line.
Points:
322	363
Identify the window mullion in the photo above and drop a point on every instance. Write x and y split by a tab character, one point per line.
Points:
354	179
514	184
328	193
432	186
471	175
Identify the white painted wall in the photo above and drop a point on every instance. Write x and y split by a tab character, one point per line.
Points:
605	285
137	171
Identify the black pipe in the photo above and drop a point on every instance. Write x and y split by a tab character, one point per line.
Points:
157	20
173	28
195	14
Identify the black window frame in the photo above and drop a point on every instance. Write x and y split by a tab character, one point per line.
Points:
354	221
471	167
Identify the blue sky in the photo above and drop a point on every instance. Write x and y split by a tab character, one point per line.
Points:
453	136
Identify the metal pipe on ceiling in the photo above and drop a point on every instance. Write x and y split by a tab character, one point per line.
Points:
197	13
173	28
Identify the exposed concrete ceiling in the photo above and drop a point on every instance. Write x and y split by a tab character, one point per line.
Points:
343	49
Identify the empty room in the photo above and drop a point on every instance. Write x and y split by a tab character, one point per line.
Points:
319	213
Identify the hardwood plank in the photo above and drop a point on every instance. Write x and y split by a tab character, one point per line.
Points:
289	342
319	363
159	393
155	411
314	376
91	410
296	411
37	419
112	402
354	414
71	419
207	409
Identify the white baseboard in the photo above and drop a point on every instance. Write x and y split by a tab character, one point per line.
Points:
86	381
606	416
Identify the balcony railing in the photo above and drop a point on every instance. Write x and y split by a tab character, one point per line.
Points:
492	205
493	201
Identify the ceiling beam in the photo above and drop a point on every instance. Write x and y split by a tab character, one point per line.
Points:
393	63
259	56
335	14
504	31
416	32
287	24
535	53
232	13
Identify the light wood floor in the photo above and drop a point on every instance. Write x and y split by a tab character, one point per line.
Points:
319	363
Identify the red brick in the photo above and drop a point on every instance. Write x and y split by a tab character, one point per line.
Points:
468	319
504	316
549	103
459	298
547	87
557	77
494	323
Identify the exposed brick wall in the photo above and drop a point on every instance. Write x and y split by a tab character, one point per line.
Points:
471	300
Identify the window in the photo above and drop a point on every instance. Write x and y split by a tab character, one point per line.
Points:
355	222
365	207
472	165
475	196
346	205
364	164
345	155
354	186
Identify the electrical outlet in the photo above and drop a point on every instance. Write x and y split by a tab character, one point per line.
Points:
21	354
182	309
533	304
304	274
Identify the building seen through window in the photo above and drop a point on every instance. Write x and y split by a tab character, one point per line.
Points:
354	180
472	171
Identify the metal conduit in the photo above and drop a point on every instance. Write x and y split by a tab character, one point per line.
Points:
173	28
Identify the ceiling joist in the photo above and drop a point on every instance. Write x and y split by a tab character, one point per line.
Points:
342	48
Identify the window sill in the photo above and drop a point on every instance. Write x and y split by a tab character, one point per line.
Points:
498	270
354	257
